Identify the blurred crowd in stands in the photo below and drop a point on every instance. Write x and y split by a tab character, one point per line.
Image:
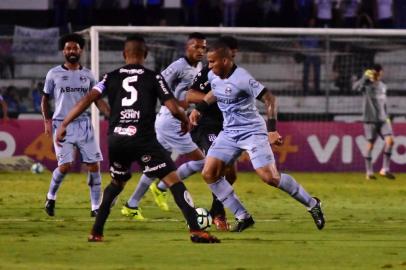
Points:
251	13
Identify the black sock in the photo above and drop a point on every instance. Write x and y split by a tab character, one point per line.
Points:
217	208
180	194
109	194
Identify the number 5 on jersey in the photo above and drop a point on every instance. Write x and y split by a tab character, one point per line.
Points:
131	89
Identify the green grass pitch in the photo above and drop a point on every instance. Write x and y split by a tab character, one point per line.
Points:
365	229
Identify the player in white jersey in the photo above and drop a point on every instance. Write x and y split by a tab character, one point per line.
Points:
235	91
179	75
67	84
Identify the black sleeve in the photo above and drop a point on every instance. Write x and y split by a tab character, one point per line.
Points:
201	81
162	88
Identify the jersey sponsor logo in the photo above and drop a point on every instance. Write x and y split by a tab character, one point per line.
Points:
162	85
131	71
127	131
130	114
155	168
69	89
145	158
212	137
228	100
253	83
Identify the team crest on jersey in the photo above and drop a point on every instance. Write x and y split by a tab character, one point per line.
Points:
253	83
83	79
211	137
145	158
227	91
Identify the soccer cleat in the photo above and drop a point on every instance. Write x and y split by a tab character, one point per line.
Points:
132	212
221	224
242	224
317	214
387	174
160	196
95	237
94	212
50	207
200	236
370	177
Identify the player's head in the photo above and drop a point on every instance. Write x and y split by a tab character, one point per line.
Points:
377	68
72	46
195	47
135	49
220	59
231	42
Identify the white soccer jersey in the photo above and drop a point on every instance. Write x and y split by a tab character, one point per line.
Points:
67	87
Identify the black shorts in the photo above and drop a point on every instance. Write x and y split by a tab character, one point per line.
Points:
204	136
153	159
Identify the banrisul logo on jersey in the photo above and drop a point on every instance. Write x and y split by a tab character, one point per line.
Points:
125	131
68	89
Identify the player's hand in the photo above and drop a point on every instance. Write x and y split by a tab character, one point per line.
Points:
370	74
194	117
60	135
48	127
275	138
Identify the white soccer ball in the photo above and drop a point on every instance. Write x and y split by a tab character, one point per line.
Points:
37	168
204	218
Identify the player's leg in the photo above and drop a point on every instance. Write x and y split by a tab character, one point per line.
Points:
263	161
91	156
65	156
370	135
386	133
224	151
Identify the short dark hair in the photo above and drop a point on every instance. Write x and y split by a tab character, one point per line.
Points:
221	48
71	38
196	35
230	41
141	47
377	67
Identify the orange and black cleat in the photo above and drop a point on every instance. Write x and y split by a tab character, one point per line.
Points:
199	236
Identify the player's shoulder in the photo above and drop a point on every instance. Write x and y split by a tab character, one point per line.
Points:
56	69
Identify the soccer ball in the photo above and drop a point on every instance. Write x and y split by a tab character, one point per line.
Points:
37	168
204	218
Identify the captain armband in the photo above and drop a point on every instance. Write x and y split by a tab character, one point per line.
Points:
202	106
271	123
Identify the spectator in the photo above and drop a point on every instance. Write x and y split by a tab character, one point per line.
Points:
384	13
230	8
61	15
6	60
272	9
36	96
154	12
400	11
324	12
349	10
190	12
311	60
13	102
136	12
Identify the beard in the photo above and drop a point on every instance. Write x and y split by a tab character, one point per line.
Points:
72	58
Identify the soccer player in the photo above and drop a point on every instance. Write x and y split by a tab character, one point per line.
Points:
132	91
67	84
376	119
179	76
235	91
209	127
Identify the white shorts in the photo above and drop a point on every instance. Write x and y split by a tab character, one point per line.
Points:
167	132
79	134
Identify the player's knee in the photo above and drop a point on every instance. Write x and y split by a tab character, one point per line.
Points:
93	167
65	168
209	175
120	175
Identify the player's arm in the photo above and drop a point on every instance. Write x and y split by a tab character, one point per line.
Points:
194	96
271	112
178	113
199	88
46	114
77	110
103	107
201	108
